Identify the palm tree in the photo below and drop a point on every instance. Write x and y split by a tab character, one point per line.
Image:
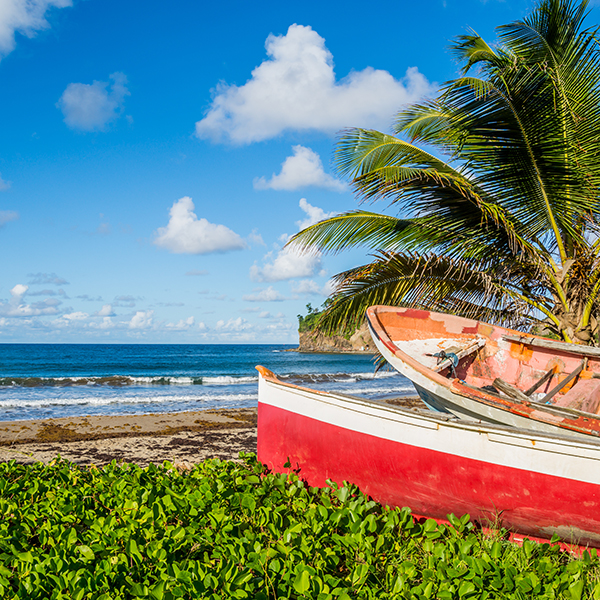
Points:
499	221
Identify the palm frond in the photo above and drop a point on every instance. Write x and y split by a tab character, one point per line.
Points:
423	281
500	219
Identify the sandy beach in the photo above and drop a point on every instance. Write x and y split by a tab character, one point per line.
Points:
184	437
187	437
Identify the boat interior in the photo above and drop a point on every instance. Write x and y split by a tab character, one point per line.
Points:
499	362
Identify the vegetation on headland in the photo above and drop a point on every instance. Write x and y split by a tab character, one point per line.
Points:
500	222
313	339
310	321
233	530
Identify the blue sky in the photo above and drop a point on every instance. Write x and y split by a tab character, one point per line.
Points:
156	156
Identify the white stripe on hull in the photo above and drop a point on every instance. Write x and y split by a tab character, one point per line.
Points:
555	455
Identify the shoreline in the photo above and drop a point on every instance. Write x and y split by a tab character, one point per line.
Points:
183	438
305	351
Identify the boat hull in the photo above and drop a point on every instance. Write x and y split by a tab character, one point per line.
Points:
528	483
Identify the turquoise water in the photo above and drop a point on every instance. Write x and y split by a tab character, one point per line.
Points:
39	381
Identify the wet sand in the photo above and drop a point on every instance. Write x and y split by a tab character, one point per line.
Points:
183	438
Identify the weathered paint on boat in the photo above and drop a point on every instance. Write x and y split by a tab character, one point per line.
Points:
535	484
395	331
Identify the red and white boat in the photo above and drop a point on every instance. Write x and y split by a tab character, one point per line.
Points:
532	483
477	370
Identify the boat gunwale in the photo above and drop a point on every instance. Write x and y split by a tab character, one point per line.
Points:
481	427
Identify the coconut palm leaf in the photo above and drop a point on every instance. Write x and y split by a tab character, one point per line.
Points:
431	282
500	219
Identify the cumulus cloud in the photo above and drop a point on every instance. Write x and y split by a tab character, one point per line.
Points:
106	311
16	307
256	239
24	17
91	107
295	89
266	295
303	169
182	325
106	323
289	262
76	316
308	287
6	216
46	279
141	320
19	291
236	325
187	234
314	214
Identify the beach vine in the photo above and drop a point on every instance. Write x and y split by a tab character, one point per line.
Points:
234	530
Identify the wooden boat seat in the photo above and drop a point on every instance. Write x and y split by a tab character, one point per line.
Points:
584	396
517	394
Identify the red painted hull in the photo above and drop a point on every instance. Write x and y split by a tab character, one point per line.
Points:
430	482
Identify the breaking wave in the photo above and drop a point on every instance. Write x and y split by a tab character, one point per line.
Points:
119	381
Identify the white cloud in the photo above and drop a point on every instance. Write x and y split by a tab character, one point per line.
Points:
106	311
308	287
255	238
187	234
296	89
182	325
141	320
314	214
266	295
16	307
106	323
25	17
289	263
303	169
6	216
238	324
90	107
76	316
19	291
197	273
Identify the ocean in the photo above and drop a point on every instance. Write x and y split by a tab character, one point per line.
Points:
41	381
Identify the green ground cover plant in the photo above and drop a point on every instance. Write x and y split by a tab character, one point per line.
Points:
232	530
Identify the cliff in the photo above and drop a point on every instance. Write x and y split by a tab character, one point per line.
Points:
314	341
